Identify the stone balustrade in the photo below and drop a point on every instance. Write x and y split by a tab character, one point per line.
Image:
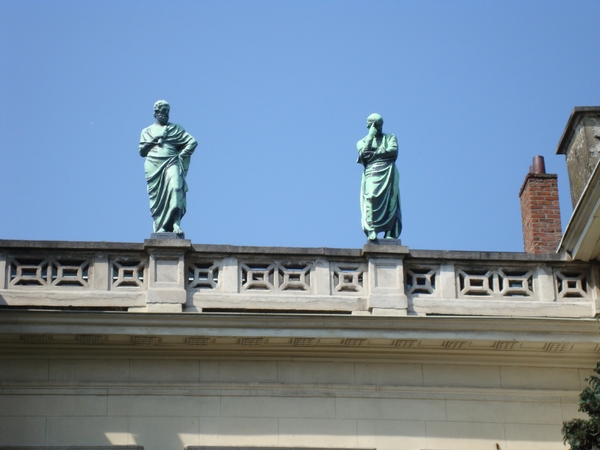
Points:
163	275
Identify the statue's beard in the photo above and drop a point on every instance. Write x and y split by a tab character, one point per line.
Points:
162	118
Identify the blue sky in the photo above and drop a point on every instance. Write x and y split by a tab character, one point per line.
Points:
277	93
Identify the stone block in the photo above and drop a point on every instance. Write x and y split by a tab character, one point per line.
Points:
466	435
238	431
22	430
166	296
325	432
162	405
3	282
239	371
583	374
167	235
461	376
393	374
504	412
390	409
87	431
23	369
388	311
53	405
315	372
277	301
277	407
164	433
228	278
101	277
386	284
570	410
391	434
533	437
77	370
161	370
539	378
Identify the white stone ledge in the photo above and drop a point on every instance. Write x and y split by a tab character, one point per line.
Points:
254	389
272	301
76	297
245	447
519	308
265	325
72	447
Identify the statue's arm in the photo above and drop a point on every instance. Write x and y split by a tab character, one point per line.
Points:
365	153
145	144
390	147
190	145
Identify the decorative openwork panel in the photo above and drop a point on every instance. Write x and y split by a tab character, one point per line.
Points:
494	283
49	271
348	277
203	275
277	276
571	284
421	280
129	272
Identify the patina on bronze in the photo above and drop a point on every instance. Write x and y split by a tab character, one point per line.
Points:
167	148
379	193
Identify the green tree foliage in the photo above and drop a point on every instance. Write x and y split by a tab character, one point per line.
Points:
585	434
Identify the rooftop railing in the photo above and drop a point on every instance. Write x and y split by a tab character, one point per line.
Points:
175	276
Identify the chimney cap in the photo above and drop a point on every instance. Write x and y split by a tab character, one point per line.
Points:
539	166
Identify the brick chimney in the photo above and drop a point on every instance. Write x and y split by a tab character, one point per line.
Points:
540	210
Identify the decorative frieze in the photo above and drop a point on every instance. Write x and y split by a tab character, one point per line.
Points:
304	342
455	344
49	271
199	341
404	343
348	277
91	339
145	340
558	347
276	276
129	272
203	275
571	284
36	338
506	345
251	342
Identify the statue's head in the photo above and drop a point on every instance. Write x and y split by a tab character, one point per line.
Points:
375	119
161	111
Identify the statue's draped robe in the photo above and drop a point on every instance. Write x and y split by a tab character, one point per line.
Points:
166	167
379	193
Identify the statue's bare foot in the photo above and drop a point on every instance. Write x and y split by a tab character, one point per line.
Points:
177	229
372	236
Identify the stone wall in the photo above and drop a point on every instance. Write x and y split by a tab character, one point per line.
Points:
166	404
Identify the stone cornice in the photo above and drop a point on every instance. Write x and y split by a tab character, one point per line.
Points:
322	325
466	340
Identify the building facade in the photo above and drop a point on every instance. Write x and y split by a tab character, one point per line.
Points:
170	345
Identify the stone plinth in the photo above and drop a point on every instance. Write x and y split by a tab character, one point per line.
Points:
166	284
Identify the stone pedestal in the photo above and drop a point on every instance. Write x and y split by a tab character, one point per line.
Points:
386	277
166	283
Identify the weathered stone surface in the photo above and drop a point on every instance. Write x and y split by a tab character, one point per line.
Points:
580	143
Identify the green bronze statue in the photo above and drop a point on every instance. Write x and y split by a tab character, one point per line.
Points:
167	148
379	192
